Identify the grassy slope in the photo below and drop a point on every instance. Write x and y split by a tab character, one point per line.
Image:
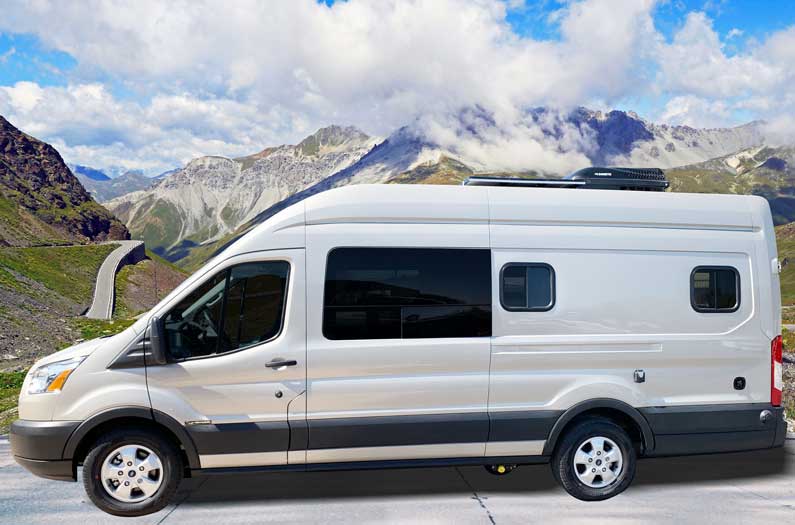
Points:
446	171
21	228
67	271
10	383
753	175
143	285
789	378
43	290
785	240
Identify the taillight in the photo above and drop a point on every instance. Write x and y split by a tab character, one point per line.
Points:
776	366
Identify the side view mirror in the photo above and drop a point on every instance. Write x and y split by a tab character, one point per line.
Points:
157	349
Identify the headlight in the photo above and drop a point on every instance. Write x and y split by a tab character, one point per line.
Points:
51	377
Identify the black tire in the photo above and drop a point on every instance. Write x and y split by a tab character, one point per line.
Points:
170	459
563	464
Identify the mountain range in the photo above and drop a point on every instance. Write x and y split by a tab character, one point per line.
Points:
41	201
213	196
104	188
188	213
761	170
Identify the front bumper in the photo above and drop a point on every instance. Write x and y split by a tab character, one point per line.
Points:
39	446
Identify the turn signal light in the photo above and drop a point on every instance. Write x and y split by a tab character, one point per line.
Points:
57	383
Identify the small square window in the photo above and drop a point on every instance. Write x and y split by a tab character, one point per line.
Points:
527	287
715	289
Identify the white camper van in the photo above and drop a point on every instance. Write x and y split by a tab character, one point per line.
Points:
392	326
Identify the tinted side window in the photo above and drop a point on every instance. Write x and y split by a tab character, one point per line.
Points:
392	293
236	308
715	289
254	304
527	287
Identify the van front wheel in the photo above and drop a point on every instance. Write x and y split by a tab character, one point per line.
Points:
132	472
595	460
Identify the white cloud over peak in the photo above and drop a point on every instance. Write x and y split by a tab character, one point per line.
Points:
212	77
696	112
246	74
89	126
710	84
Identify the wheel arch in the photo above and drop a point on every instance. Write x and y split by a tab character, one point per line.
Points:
77	444
610	408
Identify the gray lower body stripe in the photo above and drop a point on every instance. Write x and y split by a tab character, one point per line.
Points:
240	438
365	432
390	431
522	425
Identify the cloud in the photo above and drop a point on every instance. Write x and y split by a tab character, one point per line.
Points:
8	54
734	33
210	77
712	86
696	112
245	74
89	126
519	144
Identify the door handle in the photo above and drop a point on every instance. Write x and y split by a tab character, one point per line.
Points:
279	363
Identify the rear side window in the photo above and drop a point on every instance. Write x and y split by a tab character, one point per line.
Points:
527	287
715	289
407	293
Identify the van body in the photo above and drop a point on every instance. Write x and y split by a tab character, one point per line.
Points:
380	325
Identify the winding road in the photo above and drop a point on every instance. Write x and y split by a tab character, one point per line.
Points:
129	252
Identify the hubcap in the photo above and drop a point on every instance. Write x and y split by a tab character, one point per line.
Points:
598	462
131	473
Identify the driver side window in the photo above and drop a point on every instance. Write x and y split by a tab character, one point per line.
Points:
239	307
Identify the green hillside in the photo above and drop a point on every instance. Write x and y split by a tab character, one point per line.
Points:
785	240
19	227
768	172
446	171
141	286
41	290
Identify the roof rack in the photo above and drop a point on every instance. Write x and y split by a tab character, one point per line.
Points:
636	179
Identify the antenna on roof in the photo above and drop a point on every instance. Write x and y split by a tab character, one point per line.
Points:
637	179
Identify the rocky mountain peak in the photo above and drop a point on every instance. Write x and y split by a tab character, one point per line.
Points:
35	178
212	196
331	137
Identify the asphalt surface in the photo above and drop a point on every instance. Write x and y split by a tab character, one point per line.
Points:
102	305
749	487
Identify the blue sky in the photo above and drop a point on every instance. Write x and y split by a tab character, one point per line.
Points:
23	57
149	85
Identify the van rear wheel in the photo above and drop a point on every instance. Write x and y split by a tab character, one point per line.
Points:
595	460
132	472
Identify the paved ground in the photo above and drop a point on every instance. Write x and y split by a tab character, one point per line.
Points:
756	487
102	306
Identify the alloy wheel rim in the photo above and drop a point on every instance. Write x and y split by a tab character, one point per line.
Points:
131	473
598	462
